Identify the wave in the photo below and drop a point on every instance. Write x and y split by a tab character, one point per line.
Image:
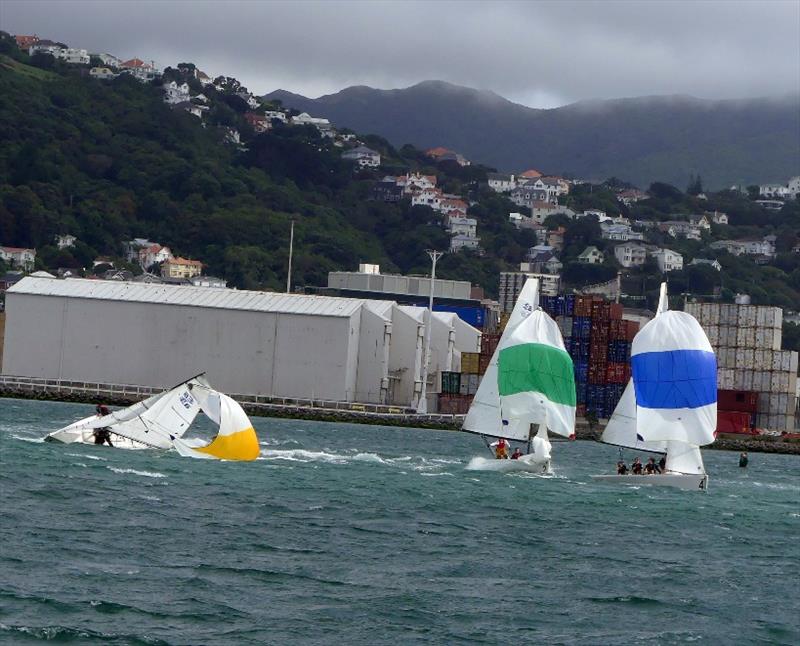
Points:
146	474
32	440
88	457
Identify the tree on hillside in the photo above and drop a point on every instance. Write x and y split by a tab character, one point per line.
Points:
695	185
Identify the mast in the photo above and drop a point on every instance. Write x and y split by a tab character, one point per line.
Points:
291	248
422	404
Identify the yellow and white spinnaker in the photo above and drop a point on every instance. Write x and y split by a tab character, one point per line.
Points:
236	439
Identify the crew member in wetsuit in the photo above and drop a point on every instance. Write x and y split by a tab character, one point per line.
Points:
651	467
662	463
636	467
517	454
622	468
102	435
743	460
501	450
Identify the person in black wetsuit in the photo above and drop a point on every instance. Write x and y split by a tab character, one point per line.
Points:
636	467
743	460
622	468
102	435
651	467
662	463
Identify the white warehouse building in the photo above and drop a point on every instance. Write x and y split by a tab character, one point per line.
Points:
260	343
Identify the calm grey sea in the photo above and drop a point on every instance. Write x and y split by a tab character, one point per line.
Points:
369	535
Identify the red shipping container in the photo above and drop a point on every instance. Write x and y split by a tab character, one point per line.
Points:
489	343
733	422
744	401
618	373
483	363
600	310
583	306
580	410
631	330
615	311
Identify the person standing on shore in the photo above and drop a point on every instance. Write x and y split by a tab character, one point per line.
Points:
743	459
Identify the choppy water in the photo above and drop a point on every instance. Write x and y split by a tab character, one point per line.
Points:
369	535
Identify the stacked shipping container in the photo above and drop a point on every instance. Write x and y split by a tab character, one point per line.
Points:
747	340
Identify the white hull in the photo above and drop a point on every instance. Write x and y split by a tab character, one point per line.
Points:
685	481
86	436
527	463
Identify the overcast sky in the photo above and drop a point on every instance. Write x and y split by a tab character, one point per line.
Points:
541	54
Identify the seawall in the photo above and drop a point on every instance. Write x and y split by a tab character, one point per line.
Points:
323	411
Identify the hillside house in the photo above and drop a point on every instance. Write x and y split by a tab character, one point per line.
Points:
529	174
191	108
459	242
706	261
718	217
541	210
65	241
416	181
731	246
462	226
527	195
631	254
181	268
621	232
794	186
9	279
257	122
208	281
102	73
175	93
428	197
108	60
591	256
153	255
204	78
26	42
45	47
363	156
631	196
19	257
544	262
452	205
305	119
440	154
275	114
555	238
140	70
74	56
774	191
680	229
387	191
700	221
668	260
500	182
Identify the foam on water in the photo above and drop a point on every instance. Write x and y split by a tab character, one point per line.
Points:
145	474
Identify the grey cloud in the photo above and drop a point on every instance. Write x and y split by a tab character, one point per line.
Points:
539	53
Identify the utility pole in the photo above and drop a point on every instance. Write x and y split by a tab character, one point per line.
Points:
422	404
291	246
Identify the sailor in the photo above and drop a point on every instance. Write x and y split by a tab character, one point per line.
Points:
102	436
651	467
517	454
743	459
636	467
501	449
662	464
622	468
101	410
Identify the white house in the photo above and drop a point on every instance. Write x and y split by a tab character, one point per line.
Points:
140	70
275	114
701	221
45	47
363	156
774	191
462	226
18	257
731	246
153	255
305	119
758	247
415	181
591	256
680	228
108	60
65	241
631	254
621	232
102	73
794	186
718	217
668	260
175	93
706	261
427	197
501	183
459	242
74	56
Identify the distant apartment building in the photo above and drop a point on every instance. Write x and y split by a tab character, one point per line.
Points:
19	257
630	254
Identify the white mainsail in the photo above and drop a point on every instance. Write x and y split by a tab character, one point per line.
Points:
621	428
153	422
529	379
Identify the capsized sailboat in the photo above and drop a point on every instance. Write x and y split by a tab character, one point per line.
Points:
670	404
160	422
529	381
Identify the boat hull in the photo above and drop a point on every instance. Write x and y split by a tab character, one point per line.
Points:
685	481
527	463
84	436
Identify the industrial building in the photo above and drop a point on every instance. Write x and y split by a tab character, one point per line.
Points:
261	343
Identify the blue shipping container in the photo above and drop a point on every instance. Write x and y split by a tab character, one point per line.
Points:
475	315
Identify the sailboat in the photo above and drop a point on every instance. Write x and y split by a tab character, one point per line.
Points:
160	422
529	382
670	404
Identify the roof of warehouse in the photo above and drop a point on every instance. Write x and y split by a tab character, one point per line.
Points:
190	296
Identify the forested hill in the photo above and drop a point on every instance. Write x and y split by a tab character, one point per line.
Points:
107	161
646	139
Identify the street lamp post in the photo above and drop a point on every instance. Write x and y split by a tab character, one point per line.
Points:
291	249
422	404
